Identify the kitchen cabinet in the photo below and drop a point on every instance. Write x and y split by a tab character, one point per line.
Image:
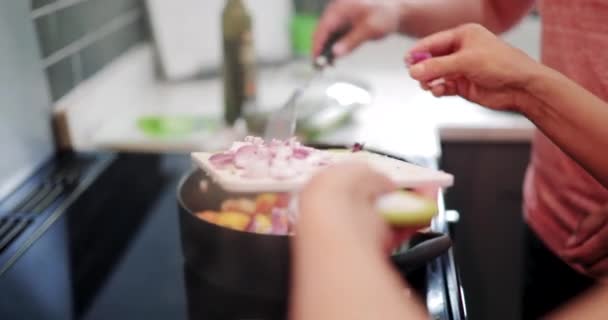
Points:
488	238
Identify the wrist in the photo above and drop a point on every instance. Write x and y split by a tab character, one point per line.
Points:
404	15
532	86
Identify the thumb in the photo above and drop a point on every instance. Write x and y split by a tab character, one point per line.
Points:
373	184
587	227
439	67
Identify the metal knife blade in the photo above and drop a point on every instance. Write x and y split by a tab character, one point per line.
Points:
282	124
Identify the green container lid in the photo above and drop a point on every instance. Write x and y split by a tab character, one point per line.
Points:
172	126
302	29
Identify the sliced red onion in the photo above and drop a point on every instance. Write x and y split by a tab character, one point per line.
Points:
257	168
280	225
275	143
221	160
283	153
244	155
253	158
281	171
301	152
253	225
254	140
357	147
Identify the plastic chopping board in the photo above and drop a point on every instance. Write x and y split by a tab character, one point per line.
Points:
404	174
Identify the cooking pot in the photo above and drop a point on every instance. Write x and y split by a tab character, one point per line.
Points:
253	264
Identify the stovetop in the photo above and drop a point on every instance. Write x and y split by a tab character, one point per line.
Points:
114	253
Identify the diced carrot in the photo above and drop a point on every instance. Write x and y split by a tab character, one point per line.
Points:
209	216
265	202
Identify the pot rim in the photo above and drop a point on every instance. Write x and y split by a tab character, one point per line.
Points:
182	205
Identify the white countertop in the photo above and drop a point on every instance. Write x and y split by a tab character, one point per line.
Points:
402	119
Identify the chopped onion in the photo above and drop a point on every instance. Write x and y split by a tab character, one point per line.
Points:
221	160
244	155
357	147
278	218
301	152
253	158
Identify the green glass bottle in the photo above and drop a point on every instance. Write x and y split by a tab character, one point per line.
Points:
239	60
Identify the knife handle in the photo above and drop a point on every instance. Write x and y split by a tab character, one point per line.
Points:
327	54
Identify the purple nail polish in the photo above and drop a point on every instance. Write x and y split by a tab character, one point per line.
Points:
419	56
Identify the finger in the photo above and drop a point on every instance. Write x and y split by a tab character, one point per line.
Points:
424	86
438	44
590	251
429	192
440	67
438	90
600	268
359	179
587	227
451	88
462	86
334	18
415	57
375	184
352	40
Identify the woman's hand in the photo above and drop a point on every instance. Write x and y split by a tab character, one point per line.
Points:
340	251
471	62
364	20
340	202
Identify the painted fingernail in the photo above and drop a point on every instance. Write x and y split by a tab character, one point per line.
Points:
419	56
571	241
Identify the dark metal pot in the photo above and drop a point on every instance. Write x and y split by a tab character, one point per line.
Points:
252	264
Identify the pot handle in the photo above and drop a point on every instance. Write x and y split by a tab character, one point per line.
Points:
424	247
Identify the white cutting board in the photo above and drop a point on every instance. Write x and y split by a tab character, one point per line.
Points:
403	174
188	33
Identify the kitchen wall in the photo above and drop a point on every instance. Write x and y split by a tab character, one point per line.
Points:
77	38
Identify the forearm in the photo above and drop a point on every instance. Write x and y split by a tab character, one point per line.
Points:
591	305
421	18
336	279
572	117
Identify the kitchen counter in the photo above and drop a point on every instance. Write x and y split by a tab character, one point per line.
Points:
403	119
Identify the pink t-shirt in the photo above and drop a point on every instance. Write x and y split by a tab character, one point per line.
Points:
558	192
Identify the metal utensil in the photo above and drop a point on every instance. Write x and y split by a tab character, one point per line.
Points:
282	124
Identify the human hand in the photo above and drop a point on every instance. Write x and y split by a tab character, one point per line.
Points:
340	202
363	19
471	62
588	246
341	238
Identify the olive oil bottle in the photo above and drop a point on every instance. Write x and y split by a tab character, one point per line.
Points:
239	60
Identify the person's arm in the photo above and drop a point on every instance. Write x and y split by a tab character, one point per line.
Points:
589	306
337	278
573	118
341	267
421	18
478	66
366	20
